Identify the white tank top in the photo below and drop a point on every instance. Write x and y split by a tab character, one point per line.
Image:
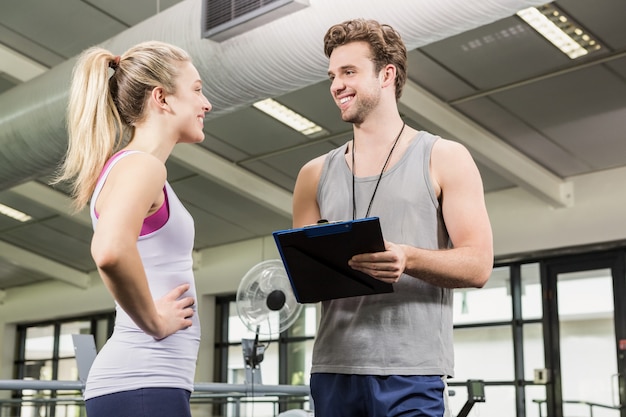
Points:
131	359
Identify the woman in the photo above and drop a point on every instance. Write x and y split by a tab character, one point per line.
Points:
125	115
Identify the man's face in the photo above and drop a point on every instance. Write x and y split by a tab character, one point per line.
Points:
355	85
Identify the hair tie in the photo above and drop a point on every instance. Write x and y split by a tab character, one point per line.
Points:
115	63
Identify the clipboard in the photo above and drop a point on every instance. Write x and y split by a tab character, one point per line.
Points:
316	259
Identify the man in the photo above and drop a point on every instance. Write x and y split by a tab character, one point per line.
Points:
389	354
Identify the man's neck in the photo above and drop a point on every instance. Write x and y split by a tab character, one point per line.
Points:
378	129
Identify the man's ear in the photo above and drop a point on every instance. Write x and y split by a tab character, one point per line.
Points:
388	75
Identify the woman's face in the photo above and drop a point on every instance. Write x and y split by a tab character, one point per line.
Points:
189	104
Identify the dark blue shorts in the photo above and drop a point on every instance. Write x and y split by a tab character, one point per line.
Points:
339	395
144	402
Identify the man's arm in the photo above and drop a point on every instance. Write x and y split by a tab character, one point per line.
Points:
306	211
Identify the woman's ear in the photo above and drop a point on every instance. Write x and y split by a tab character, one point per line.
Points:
157	96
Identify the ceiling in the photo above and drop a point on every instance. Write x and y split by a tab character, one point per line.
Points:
536	117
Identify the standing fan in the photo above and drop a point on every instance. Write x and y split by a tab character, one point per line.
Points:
266	305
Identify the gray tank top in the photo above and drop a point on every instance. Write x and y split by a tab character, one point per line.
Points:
407	332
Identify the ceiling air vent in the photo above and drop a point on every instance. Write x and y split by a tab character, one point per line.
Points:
223	19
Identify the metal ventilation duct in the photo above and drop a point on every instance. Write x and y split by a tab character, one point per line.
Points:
267	61
223	19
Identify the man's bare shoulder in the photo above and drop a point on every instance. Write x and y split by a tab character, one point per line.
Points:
314	166
448	145
447	151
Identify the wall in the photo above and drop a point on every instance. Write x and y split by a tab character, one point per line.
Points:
521	223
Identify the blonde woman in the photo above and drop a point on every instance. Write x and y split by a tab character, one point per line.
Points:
125	115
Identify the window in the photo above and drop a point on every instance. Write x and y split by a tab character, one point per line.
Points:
286	360
491	334
46	352
492	303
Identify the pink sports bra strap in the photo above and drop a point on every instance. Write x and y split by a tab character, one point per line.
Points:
156	220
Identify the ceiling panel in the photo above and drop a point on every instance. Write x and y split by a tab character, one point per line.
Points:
604	19
67	226
252	132
440	81
177	172
221	148
316	102
7	223
273	172
618	66
6	82
82	24
50	243
573	110
25	205
564	98
212	230
286	163
495	55
523	137
133	12
229	206
29	48
14	276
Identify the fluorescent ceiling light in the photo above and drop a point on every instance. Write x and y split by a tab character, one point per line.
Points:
14	214
289	117
571	38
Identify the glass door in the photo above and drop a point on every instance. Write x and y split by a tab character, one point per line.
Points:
584	332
